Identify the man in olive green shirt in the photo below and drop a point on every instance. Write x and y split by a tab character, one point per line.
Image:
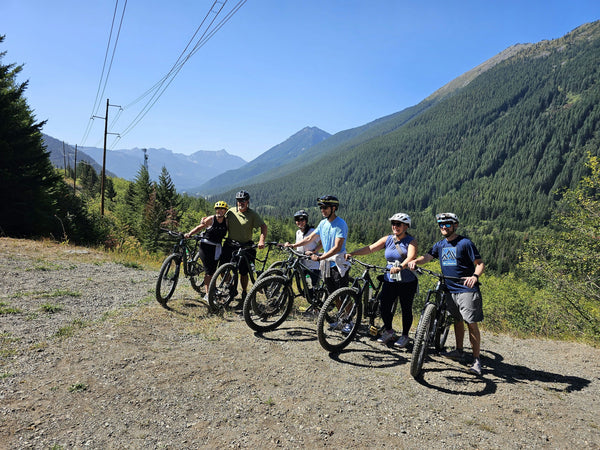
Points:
241	221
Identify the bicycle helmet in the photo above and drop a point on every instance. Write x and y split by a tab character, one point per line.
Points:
328	200
301	214
242	195
221	204
446	217
401	217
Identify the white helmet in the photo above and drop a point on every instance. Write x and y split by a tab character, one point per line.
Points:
401	217
446	217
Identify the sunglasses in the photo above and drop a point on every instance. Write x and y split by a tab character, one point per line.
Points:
324	207
300	219
445	225
397	224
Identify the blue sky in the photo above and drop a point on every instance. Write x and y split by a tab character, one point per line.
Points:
272	69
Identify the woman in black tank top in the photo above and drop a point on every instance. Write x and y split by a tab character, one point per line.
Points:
210	247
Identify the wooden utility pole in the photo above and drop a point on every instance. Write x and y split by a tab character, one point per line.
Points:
75	172
104	156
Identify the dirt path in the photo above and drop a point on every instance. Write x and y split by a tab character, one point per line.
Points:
110	368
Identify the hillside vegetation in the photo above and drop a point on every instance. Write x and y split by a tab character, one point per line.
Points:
496	152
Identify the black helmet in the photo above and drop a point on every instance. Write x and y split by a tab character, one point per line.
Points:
242	195
301	214
328	200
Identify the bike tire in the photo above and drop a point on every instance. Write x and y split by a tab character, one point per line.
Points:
223	287
441	333
270	272
268	303
167	279
421	342
197	276
343	306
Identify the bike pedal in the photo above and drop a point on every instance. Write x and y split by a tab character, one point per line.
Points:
373	330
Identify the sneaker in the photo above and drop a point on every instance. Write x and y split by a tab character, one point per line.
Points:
401	342
348	328
475	369
335	326
386	336
457	354
205	297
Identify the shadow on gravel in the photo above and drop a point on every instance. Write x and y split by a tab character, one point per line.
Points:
372	358
456	380
297	334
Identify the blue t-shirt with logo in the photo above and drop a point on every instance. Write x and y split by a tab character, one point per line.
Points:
456	260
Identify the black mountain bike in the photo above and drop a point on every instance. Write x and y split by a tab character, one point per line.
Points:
185	252
342	312
224	282
434	324
270	300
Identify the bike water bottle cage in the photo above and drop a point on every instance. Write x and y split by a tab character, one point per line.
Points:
446	217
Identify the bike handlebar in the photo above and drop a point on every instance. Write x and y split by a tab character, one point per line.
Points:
421	270
366	265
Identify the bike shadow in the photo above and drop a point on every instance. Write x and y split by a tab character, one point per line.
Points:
288	334
496	371
372	354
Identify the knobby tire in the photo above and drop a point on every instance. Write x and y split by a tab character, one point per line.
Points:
268	303
422	340
167	279
223	287
343	306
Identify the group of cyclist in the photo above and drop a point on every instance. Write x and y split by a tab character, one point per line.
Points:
457	254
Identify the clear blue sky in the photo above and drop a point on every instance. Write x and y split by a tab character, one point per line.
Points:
275	67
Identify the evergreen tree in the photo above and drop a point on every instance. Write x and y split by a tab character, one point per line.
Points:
34	200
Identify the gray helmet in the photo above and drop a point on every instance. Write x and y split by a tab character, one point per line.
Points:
401	217
301	214
446	217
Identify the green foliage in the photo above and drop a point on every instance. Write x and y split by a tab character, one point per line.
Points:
563	256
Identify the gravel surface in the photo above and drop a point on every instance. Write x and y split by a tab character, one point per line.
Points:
90	360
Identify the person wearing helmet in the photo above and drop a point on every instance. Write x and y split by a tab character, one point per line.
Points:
215	229
242	220
459	258
333	233
400	248
304	229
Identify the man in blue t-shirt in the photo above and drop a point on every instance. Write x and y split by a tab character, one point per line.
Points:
333	232
459	258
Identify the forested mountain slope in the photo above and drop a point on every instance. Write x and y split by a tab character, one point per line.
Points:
496	152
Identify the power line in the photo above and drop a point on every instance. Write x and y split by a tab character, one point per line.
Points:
99	95
160	87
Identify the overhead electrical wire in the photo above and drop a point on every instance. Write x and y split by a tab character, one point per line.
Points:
160	87
101	86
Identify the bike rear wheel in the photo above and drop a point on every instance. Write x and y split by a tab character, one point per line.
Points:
422	340
268	303
441	333
339	319
196	273
223	287
167	279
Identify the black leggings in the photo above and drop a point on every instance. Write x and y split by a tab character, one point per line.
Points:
207	256
406	292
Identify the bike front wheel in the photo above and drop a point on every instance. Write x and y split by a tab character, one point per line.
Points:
167	279
268	303
339	319
223	287
441	333
422	340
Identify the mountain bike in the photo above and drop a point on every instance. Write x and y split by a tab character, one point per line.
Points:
185	253
434	324
342	312
270	300
224	282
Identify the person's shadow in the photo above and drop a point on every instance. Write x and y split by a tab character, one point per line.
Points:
495	371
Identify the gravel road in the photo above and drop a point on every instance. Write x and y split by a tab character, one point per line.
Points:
90	360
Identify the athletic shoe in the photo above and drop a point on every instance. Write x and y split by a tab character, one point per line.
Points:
348	328
205	297
386	336
401	342
335	326
457	354
475	369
